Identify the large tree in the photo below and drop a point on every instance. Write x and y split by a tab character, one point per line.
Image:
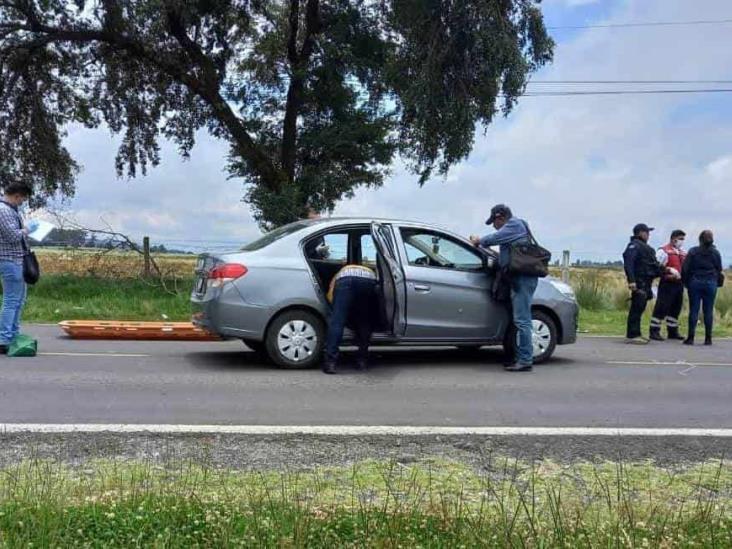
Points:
315	97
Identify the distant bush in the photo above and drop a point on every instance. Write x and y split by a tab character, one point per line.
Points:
724	302
590	290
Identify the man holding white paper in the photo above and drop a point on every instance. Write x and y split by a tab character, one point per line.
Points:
12	250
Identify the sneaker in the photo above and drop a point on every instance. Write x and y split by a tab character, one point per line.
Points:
518	367
640	340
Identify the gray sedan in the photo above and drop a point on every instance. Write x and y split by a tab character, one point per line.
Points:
434	290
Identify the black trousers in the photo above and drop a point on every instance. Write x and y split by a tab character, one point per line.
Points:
668	304
638	301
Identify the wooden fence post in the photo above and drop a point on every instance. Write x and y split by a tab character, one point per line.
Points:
565	266
146	252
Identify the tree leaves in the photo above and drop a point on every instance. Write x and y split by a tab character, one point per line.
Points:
316	97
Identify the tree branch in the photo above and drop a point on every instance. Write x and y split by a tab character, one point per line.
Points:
298	66
207	88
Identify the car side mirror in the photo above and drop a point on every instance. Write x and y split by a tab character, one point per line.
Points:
489	263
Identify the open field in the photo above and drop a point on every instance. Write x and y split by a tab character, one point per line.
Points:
111	264
432	503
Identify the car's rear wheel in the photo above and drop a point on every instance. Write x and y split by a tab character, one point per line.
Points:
295	339
544	337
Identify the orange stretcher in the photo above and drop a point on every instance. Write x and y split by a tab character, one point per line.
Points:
114	329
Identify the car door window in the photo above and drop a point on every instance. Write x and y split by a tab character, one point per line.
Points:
368	250
431	249
332	247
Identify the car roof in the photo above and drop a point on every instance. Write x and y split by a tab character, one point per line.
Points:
343	220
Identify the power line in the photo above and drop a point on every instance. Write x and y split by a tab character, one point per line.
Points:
630	82
644	24
622	92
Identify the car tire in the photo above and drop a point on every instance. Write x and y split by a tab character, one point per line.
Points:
548	334
295	340
256	346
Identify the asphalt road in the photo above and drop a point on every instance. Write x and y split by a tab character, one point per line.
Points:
597	382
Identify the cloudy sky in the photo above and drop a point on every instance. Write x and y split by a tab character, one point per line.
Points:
581	169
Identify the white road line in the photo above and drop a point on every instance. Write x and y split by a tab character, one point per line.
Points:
356	430
662	363
109	355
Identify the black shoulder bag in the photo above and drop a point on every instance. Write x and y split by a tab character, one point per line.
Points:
31	268
528	258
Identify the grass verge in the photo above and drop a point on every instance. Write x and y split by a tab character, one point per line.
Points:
68	297
373	504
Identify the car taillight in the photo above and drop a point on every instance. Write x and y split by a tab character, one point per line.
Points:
226	273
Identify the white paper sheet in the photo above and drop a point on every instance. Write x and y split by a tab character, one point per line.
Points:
41	232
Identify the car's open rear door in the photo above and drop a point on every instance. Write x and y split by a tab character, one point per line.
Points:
391	277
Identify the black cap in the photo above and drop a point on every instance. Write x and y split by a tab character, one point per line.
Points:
641	228
499	209
677	234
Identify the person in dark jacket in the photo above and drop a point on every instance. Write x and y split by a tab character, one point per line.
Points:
702	274
641	267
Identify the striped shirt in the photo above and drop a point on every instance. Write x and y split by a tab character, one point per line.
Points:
350	270
11	236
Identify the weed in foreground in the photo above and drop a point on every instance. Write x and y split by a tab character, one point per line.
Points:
373	504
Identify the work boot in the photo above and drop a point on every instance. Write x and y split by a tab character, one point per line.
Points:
708	339
362	364
655	334
673	334
329	367
689	340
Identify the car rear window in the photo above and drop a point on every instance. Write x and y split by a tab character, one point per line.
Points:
274	236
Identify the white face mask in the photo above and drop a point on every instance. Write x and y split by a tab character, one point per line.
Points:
679	243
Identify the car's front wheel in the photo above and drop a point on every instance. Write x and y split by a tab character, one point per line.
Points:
295	339
544	337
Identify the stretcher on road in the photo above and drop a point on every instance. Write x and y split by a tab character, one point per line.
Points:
114	329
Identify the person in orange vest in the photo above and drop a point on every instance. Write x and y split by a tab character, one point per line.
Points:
671	288
354	300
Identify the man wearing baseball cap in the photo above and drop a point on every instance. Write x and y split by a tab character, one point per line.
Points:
641	267
509	231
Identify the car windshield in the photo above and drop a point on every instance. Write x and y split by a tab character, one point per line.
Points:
274	236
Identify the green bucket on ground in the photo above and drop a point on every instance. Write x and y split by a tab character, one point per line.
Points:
23	345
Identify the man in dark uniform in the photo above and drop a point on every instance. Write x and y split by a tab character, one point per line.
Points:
641	267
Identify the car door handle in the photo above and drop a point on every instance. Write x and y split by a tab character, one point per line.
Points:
422	288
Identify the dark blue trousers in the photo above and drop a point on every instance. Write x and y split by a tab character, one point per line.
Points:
355	304
702	293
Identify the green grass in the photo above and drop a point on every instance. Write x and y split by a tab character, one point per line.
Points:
68	297
64	297
506	503
613	322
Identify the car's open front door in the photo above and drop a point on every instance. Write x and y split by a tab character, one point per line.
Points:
391	277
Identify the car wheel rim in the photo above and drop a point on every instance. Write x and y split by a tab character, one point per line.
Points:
297	340
541	337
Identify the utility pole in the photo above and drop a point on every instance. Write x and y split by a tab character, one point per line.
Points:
565	266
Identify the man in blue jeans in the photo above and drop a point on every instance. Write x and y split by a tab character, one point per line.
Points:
354	304
509	231
12	250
